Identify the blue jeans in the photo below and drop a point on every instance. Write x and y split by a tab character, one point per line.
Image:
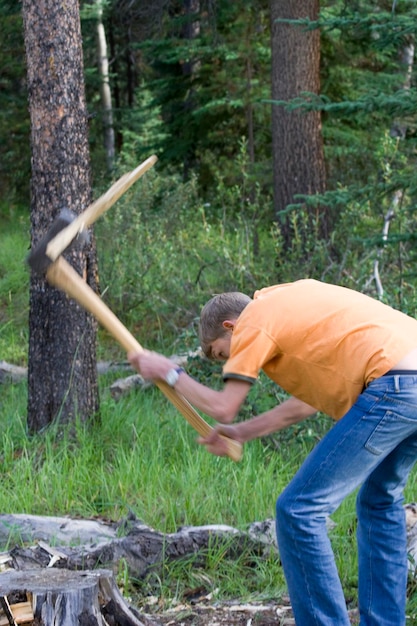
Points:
373	446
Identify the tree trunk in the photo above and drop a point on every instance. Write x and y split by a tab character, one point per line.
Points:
62	336
106	103
190	67
297	144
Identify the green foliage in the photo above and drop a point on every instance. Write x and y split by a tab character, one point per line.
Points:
189	100
163	252
205	86
368	103
14	117
142	456
14	290
363	81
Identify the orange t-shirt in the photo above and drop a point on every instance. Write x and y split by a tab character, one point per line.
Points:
321	343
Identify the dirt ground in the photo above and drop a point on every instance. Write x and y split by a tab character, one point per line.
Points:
230	614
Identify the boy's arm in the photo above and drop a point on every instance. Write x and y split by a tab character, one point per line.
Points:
283	415
222	405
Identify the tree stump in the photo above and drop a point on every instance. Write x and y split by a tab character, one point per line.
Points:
64	597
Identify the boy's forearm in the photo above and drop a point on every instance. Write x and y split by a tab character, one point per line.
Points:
200	396
283	415
222	405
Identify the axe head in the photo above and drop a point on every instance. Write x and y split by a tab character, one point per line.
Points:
37	257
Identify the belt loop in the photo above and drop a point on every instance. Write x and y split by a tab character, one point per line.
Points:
397	383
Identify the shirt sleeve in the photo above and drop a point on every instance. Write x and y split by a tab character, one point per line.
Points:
250	349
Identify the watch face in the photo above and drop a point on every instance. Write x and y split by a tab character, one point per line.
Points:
172	377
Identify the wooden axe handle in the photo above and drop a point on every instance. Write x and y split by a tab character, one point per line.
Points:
62	275
63	239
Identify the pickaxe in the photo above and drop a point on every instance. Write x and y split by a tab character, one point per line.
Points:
46	258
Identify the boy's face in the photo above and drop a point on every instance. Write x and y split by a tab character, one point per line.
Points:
220	347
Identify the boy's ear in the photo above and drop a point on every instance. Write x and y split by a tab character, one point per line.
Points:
229	324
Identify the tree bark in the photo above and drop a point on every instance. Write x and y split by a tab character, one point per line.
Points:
297	144
62	336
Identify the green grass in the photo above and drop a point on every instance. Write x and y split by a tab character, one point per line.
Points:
142	457
14	291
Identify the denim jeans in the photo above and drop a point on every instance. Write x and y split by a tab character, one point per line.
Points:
374	447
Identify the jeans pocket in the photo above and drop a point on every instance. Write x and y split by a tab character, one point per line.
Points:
391	429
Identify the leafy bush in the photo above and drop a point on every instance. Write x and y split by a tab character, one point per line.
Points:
163	253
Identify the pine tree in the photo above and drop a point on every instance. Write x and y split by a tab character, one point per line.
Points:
62	356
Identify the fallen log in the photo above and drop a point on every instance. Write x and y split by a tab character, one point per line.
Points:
127	384
58	530
70	576
64	597
87	544
14	374
102	544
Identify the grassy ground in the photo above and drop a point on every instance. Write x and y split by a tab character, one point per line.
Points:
14	293
142	457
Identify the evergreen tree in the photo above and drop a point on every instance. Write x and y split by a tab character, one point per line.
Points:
298	157
231	75
14	117
62	357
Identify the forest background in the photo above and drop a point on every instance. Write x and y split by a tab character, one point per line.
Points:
204	220
208	211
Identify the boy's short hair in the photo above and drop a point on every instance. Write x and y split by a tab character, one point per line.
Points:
224	306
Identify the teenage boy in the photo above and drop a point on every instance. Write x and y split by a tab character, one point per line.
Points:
354	358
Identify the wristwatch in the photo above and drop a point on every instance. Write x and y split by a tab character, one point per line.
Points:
173	375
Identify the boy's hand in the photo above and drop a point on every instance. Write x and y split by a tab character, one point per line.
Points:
215	442
151	365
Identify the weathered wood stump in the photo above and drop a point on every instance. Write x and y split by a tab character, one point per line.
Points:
64	597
